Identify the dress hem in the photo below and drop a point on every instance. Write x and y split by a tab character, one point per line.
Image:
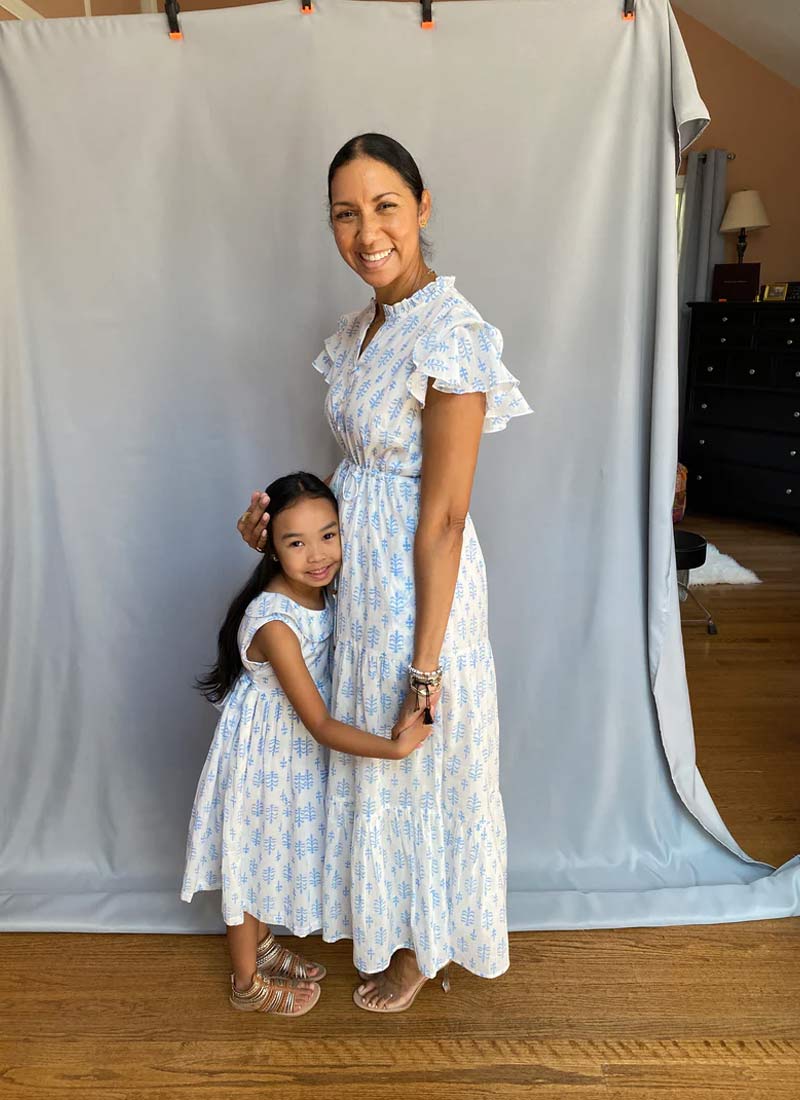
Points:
458	960
279	921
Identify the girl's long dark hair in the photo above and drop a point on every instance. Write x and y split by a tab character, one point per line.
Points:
282	493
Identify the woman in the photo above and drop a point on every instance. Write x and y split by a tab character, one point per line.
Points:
415	856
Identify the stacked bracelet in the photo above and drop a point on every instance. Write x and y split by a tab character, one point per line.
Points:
425	677
425	684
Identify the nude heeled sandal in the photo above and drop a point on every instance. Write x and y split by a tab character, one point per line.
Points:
274	960
271	995
411	996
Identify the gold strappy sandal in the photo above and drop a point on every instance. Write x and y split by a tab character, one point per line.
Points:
270	995
274	960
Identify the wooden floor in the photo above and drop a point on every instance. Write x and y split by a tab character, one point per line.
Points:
706	1013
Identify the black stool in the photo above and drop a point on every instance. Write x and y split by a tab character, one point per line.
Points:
690	553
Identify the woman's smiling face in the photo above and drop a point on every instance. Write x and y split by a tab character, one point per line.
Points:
376	221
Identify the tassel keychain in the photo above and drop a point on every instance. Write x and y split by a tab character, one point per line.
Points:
427	718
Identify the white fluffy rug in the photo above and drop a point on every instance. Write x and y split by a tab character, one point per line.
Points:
721	569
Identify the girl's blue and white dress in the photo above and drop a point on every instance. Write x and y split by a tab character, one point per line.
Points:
415	854
257	829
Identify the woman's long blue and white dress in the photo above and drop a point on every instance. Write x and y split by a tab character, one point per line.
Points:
415	853
257	828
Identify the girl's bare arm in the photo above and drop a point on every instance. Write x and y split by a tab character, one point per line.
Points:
277	643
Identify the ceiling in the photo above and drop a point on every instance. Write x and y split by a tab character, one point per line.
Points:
768	30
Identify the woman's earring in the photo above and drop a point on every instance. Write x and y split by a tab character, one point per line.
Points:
274	557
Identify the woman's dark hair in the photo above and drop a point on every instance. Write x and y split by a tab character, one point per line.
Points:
388	151
282	493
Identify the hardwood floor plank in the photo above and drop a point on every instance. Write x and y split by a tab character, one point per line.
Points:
693	1081
744	686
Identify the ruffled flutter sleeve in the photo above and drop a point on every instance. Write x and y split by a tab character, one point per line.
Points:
330	360
466	358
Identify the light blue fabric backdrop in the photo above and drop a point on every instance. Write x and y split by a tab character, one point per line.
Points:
166	278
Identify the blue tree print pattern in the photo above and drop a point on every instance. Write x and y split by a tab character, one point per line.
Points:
257	829
415	851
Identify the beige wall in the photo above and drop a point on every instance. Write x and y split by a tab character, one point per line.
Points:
756	115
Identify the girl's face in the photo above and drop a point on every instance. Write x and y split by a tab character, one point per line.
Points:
376	221
307	543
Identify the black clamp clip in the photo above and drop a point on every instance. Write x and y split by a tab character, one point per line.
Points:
427	15
306	7
171	10
629	11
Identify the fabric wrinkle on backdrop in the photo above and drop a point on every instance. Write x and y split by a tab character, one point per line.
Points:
167	276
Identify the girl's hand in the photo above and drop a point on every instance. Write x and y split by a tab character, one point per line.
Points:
409	712
411	737
252	525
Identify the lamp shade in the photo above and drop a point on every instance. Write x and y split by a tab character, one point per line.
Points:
745	211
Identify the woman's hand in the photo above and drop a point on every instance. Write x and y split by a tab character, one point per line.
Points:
411	737
410	713
252	525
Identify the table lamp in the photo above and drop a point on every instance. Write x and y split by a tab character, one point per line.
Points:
745	211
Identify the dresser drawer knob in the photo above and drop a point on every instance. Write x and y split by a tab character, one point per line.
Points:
792	454
792	320
796	415
752	370
724	319
705	406
797	374
709	369
698	477
789	342
788	492
723	339
702	442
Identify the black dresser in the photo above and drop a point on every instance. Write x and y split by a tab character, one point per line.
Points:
741	436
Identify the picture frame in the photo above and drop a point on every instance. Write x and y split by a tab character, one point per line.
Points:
775	292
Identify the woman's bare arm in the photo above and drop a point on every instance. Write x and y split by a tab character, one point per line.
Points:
277	643
451	435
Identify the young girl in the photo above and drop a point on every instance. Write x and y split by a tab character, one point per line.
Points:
257	828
